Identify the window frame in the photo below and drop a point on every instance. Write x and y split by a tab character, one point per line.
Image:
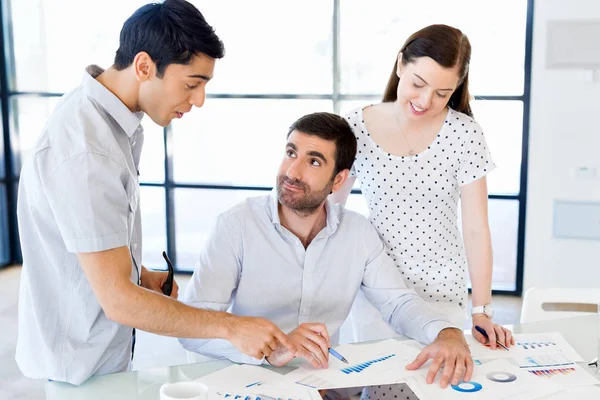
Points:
11	151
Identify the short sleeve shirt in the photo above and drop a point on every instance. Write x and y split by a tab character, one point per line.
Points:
78	193
413	202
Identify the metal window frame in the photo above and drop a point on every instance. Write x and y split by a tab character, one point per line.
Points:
7	79
8	180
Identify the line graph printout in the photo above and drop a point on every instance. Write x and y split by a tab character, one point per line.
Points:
313	381
547	360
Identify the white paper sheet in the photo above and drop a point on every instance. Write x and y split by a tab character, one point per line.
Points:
493	380
567	375
370	364
248	381
528	345
580	392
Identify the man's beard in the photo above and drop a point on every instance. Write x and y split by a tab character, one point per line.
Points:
306	201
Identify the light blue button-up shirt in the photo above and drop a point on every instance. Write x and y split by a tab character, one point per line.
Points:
253	266
78	193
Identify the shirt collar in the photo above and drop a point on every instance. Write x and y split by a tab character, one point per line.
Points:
333	212
128	120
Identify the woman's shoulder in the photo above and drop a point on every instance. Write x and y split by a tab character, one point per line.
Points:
459	117
462	124
358	113
357	117
462	119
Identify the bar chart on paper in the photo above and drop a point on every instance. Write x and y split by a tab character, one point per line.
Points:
572	375
234	396
527	345
361	367
549	373
373	363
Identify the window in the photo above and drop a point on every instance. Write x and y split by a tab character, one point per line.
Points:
4	237
4	226
298	57
5	182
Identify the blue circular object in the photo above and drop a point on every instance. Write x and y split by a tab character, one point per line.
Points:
476	387
501	376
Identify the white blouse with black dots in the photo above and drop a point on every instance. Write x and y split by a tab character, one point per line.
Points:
413	202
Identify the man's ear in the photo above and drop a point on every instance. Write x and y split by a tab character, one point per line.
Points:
143	66
339	180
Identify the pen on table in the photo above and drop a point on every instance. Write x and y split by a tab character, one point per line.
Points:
484	333
338	355
168	285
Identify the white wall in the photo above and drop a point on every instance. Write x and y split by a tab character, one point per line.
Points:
564	134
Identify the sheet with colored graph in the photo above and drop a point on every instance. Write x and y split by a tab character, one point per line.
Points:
492	380
570	375
369	364
530	350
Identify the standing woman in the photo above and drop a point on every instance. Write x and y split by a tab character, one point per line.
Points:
419	152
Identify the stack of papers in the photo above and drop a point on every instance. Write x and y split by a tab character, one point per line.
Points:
547	357
538	366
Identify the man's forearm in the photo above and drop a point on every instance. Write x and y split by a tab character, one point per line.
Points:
144	309
416	319
217	348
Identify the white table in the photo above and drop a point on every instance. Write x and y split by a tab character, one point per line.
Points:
580	332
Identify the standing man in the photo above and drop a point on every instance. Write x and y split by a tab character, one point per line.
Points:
83	286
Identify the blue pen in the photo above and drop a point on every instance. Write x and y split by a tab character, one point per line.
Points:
338	355
484	333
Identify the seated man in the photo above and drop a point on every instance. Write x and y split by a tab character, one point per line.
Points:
296	259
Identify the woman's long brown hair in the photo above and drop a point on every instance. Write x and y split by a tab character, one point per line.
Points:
448	47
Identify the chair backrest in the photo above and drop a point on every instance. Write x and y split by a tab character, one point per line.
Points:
540	304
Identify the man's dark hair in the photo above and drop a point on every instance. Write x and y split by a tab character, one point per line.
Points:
171	32
334	128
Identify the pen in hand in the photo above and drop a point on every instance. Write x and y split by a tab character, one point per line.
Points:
338	355
484	333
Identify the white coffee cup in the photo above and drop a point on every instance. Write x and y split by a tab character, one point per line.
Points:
183	391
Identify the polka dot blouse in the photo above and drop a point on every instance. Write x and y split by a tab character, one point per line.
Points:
413	202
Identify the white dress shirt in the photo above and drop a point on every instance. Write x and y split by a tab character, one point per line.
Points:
253	266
